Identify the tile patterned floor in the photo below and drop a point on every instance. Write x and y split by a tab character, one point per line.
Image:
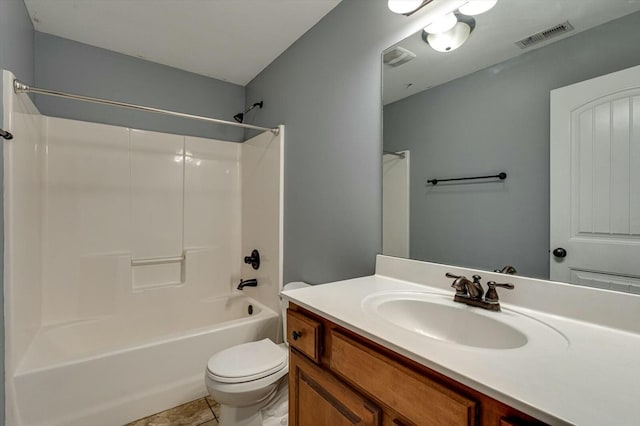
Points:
201	412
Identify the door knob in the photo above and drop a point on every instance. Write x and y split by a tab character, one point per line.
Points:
560	252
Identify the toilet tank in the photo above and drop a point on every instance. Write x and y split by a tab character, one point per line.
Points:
289	286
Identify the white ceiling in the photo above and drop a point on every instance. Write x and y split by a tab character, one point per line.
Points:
493	40
230	40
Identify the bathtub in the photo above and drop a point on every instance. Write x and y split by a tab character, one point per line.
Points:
109	371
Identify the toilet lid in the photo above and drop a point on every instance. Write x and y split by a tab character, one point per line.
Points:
246	362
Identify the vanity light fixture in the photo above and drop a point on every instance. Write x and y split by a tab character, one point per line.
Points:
447	32
409	7
442	24
452	39
406	7
476	7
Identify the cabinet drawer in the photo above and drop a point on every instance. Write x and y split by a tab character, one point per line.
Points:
304	333
414	396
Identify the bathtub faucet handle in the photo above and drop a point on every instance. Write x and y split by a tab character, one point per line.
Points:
253	260
248	283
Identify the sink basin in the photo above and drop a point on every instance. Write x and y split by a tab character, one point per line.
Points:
438	317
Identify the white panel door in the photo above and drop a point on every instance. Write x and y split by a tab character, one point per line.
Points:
595	182
395	204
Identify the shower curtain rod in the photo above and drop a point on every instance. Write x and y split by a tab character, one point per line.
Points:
20	87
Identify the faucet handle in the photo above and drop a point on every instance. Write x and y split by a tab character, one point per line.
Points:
492	294
459	283
493	284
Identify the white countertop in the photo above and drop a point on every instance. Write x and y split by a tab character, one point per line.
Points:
588	375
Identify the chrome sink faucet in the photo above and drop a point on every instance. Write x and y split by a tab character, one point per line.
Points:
471	292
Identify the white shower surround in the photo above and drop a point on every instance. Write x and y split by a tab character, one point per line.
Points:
82	200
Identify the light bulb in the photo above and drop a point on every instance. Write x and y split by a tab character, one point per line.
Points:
476	7
451	40
442	24
403	6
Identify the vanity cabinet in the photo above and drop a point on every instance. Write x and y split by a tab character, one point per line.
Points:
337	377
322	399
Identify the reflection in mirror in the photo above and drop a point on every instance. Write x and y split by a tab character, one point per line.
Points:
551	97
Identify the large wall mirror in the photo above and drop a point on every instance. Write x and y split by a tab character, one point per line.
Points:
544	92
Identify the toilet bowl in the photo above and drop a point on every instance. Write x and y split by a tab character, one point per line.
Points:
246	378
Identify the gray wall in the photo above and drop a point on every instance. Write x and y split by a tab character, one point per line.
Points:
326	89
496	119
69	66
16	38
16	55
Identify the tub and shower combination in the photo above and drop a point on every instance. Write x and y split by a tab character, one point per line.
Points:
123	251
105	371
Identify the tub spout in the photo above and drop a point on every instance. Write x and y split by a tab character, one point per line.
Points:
248	283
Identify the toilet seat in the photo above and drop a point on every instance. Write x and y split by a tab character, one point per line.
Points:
247	362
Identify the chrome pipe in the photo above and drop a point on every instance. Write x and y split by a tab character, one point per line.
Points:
20	87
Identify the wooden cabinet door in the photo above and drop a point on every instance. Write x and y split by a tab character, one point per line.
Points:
316	398
414	396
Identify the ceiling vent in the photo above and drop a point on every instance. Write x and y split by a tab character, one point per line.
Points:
545	35
397	56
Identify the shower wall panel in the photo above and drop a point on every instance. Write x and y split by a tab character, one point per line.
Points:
22	207
86	217
212	227
262	189
118	196
156	194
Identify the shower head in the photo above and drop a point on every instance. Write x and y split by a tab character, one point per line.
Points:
239	117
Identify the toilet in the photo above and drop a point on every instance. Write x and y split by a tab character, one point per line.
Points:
250	378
